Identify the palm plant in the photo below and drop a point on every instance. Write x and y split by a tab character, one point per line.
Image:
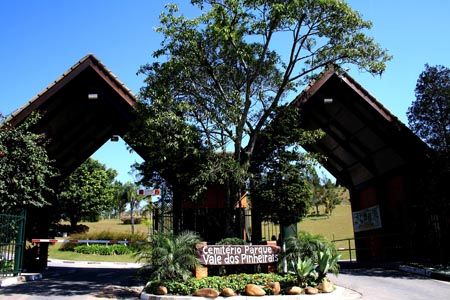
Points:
306	245
173	257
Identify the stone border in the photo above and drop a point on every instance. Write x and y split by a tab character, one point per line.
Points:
23	277
337	294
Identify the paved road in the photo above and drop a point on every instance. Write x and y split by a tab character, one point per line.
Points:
84	281
78	283
380	284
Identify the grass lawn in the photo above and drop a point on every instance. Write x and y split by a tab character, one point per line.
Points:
335	227
112	225
69	255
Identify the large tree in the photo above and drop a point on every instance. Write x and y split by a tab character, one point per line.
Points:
25	168
223	75
86	192
429	114
325	193
281	191
429	118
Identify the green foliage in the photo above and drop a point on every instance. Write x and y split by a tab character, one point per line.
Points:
231	241
236	282
280	192
106	235
6	266
327	262
127	220
429	118
110	235
171	257
305	270
221	82
309	250
25	168
307	245
126	194
325	193
79	229
429	114
116	249
86	192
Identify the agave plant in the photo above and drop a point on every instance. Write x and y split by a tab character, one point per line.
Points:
310	257
327	262
173	257
304	270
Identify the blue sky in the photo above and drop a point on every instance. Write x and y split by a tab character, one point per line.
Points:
40	40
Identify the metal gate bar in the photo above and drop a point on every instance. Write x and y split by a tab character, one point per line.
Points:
12	242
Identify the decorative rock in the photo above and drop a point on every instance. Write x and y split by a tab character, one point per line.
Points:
254	290
161	290
207	293
311	290
326	286
294	290
227	292
275	287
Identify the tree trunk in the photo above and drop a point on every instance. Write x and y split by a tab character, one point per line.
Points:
73	223
132	215
256	227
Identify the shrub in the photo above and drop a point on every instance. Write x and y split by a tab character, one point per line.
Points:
307	245
171	257
6	266
127	220
305	270
237	282
67	247
310	257
108	235
79	228
135	240
328	262
116	249
231	241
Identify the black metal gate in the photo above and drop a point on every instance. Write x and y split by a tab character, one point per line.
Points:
12	241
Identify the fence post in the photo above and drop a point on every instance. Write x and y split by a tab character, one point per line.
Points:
19	245
350	250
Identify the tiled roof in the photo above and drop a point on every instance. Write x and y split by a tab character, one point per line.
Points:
87	60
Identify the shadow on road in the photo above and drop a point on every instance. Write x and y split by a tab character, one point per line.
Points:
380	272
98	282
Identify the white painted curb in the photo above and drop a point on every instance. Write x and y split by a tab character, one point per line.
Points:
8	281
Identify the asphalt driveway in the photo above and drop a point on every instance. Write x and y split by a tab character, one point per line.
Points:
84	281
78	283
382	284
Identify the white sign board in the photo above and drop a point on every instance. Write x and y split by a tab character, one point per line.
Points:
367	219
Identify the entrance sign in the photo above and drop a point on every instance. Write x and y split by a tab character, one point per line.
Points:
220	255
367	219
